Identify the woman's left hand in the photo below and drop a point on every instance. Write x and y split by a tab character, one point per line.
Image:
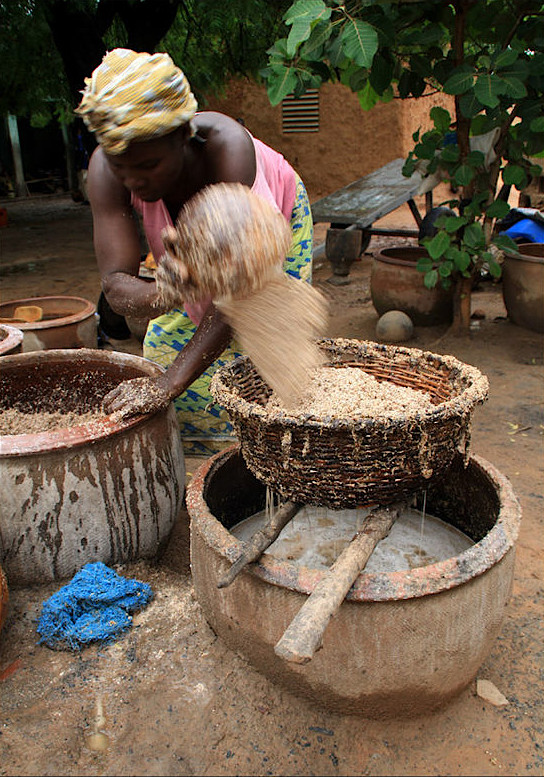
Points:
138	395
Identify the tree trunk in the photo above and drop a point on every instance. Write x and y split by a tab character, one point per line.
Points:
461	307
13	129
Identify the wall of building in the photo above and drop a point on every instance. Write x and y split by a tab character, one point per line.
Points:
350	142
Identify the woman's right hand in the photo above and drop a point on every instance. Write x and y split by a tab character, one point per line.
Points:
138	395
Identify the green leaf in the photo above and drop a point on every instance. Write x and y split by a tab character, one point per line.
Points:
404	84
359	42
460	81
303	16
450	153
513	87
505	58
454	223
537	125
381	73
438	245
441	118
469	105
513	174
475	158
445	269
473	236
461	259
424	264
506	244
480	124
430	279
498	209
368	97
487	88
494	267
282	83
312	49
463	175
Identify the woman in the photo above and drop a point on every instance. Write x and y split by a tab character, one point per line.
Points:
155	151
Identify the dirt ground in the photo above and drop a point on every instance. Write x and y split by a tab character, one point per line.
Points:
176	700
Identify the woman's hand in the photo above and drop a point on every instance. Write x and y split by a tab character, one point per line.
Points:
174	284
139	395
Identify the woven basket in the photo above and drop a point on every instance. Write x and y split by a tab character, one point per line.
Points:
341	463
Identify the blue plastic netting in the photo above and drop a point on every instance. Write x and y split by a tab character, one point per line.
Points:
93	607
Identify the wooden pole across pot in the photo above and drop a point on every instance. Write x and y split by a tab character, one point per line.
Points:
260	541
304	634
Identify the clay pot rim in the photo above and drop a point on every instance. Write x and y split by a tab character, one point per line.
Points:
81	434
370	587
88	309
527	257
418	252
12	339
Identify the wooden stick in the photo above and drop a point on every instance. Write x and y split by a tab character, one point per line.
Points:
304	635
261	540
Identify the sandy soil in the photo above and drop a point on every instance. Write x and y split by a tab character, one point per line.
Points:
176	700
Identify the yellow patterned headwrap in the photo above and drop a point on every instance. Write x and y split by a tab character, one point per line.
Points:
135	96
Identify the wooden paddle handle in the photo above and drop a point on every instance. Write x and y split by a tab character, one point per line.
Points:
260	541
304	634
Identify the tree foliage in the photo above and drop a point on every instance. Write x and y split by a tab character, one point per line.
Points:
48	47
487	54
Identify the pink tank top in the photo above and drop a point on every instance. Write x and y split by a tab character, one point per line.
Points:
275	181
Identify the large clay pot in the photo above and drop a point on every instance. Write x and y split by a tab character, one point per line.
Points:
397	284
402	643
523	286
105	490
67	322
11	340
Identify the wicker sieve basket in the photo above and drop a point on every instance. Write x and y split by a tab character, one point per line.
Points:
344	463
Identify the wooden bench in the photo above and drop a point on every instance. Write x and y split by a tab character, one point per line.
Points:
352	210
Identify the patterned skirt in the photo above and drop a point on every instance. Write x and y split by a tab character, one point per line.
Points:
204	425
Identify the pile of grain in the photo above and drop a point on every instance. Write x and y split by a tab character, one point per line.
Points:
350	393
15	421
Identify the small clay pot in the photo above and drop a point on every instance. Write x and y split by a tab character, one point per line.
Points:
397	284
67	322
523	286
11	340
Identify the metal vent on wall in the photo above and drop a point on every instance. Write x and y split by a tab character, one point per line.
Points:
301	114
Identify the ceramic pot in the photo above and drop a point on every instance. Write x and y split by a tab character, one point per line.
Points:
523	286
397	284
402	643
67	322
11	340
99	490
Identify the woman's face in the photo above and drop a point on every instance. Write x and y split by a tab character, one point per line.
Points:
151	168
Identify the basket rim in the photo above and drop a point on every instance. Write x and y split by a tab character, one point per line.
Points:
463	403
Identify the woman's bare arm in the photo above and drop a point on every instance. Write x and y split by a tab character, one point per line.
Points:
117	244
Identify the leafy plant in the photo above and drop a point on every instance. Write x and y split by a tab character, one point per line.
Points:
487	54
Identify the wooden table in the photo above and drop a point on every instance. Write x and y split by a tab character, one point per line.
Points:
352	210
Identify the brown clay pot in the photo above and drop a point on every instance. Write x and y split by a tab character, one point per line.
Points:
11	340
397	284
103	490
401	643
523	286
68	322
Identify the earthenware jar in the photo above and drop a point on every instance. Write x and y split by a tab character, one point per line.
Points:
523	286
11	340
397	284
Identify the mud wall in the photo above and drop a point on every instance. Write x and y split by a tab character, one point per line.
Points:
350	142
